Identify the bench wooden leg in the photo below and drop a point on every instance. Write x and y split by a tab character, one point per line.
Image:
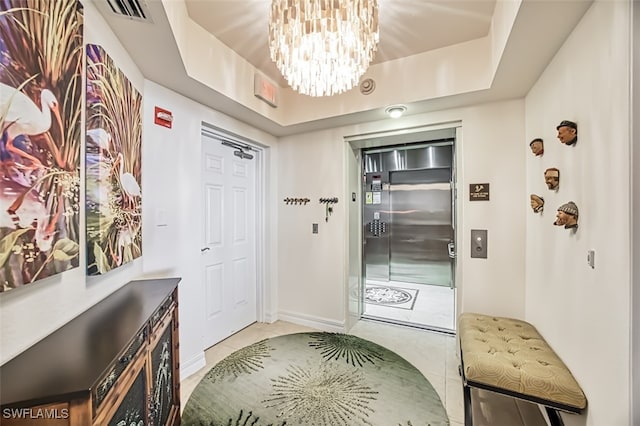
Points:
554	417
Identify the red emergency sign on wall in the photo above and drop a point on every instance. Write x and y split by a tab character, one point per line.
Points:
162	117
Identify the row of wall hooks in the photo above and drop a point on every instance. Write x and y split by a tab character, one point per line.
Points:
329	200
304	201
296	201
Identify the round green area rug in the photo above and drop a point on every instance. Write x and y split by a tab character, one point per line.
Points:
319	379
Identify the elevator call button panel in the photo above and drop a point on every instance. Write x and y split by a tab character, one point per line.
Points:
376	227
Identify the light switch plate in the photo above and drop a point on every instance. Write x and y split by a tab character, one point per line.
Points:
591	258
161	217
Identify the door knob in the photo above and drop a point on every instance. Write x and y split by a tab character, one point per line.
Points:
204	249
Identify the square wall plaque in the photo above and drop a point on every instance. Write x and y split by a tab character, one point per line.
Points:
478	192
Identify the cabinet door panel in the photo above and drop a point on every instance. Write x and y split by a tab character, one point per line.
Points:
132	409
101	391
162	380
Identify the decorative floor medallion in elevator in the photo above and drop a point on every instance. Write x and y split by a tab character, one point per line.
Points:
429	306
395	297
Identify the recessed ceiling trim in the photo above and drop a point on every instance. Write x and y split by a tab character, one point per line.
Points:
436	132
407	130
451	77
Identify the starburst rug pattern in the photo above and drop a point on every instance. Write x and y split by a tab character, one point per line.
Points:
319	379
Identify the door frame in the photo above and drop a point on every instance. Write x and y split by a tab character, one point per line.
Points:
216	133
353	217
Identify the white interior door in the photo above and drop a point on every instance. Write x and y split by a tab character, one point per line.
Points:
229	241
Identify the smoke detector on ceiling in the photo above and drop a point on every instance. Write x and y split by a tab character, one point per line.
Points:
132	9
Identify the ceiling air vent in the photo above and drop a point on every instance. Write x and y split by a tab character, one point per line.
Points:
132	9
367	86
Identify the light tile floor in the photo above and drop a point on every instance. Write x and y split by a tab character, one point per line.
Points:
434	354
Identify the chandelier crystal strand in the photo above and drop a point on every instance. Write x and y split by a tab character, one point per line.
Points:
323	47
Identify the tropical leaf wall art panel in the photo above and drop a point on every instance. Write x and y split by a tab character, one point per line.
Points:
41	52
113	165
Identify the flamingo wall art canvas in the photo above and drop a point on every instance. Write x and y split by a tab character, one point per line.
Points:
41	93
113	165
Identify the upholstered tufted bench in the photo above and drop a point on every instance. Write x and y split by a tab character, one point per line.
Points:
510	357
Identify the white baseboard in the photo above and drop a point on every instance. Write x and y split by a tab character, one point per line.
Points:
320	323
270	317
192	366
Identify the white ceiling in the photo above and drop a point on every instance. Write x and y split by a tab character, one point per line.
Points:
407	27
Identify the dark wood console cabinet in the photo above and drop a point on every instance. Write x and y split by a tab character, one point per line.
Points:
115	364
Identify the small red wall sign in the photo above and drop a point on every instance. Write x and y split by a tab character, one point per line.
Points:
162	117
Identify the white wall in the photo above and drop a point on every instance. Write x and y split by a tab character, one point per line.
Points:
492	144
584	313
34	311
173	209
635	219
312	267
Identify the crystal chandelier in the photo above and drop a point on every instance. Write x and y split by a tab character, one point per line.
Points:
323	47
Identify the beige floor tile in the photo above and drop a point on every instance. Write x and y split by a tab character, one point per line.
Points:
454	400
439	383
283	327
218	352
243	338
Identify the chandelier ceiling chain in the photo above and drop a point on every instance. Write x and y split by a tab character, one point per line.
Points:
323	47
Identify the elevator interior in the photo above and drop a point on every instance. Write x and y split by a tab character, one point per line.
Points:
408	234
